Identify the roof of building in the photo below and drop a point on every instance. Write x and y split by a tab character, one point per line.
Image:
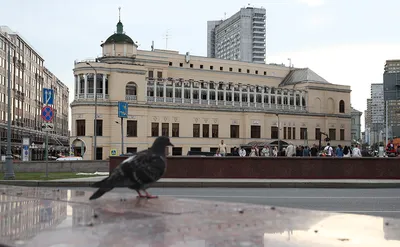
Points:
119	36
297	76
355	110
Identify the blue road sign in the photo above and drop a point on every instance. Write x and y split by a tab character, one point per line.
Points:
47	113
122	109
48	96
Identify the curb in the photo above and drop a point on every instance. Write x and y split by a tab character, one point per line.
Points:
215	184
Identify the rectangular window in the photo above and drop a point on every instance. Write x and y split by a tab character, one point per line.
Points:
317	133
175	129
294	133
151	74
289	132
332	134
176	151
131	128
214	130
201	66
196	130
165	129
211	67
180	64
342	134
155	129
159	74
80	128
255	131
221	68
99	153
284	132
99	127
206	130
234	131
131	150
274	132
303	133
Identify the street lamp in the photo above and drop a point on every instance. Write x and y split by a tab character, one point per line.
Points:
122	134
9	174
95	112
279	134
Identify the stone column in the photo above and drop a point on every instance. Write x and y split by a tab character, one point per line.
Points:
255	95
85	89
233	94
104	85
248	95
191	91
269	97
165	90
240	94
183	91
208	92
78	85
276	98
199	85
125	49
301	100
224	86
173	91
216	92
262	96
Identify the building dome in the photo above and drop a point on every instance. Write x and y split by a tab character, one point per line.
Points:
119	37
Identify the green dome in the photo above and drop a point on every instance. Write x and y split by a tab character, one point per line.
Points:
119	36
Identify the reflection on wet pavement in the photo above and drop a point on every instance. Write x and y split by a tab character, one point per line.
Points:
51	217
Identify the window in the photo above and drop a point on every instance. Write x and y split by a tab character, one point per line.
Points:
234	131
274	132
289	132
176	151
155	129
341	106
170	63
99	127
99	153
255	131
201	66
256	72
196	130
294	133
332	134
214	131
165	129
151	74
175	129
195	149
131	128
284	133
342	134
191	65
211	67
265	72
239	70
206	130
80	128
230	69
159	74
248	71
303	133
180	64
132	150
221	68
131	88
317	133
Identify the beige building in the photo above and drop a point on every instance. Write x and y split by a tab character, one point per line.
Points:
199	101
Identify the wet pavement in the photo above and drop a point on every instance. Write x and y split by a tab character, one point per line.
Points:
65	218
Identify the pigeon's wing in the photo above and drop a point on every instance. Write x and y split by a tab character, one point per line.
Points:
147	168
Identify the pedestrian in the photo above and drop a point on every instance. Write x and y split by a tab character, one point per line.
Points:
222	148
339	151
306	152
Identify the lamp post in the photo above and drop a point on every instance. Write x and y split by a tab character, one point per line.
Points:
95	112
9	174
122	134
279	134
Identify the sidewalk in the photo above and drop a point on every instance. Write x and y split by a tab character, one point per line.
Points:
222	183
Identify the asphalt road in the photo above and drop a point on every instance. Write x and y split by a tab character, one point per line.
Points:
378	202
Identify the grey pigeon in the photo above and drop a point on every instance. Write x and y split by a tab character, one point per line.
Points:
137	172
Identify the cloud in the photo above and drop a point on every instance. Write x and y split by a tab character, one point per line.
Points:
356	65
312	3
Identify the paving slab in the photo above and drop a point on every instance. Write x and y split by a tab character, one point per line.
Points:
222	183
48	217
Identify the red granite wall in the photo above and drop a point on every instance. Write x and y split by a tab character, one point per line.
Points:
279	168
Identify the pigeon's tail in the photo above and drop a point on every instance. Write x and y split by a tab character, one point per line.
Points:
104	187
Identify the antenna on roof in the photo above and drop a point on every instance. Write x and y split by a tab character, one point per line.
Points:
290	62
119	13
166	39
224	16
152	45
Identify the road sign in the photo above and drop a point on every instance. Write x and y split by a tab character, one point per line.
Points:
122	109
113	152
48	96
47	113
47	127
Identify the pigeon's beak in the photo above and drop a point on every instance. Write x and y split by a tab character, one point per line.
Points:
170	144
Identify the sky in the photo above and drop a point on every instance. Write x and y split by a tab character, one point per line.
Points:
344	41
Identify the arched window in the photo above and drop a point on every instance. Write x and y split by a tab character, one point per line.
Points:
341	106
131	89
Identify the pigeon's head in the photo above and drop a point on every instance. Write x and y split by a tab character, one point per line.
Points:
162	142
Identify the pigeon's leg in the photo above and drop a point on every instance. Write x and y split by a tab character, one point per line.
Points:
140	194
149	196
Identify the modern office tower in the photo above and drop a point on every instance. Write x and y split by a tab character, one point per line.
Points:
391	85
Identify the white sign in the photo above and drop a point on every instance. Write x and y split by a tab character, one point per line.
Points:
25	149
47	126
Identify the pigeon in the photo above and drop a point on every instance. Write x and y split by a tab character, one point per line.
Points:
137	172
